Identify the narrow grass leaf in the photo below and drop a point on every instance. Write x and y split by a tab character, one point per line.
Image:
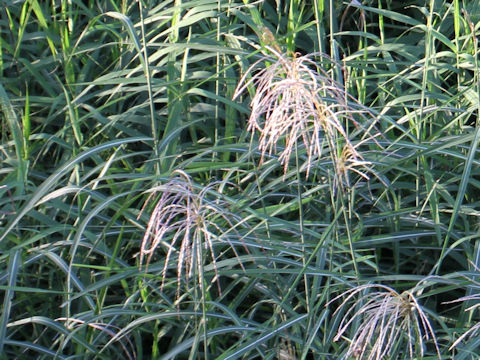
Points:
54	325
465	180
187	344
14	127
57	260
53	179
13	266
402	18
73	116
268	334
27	346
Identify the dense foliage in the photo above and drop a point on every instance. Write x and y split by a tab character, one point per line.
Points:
236	179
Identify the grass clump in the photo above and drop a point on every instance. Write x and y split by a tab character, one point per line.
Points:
239	179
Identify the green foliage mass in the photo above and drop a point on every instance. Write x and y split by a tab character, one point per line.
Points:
239	179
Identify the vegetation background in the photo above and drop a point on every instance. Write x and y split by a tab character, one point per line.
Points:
228	179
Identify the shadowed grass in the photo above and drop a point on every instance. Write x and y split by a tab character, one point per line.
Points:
262	157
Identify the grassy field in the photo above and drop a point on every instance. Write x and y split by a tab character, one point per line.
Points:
239	179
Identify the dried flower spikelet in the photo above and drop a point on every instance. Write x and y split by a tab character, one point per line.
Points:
296	101
186	222
386	321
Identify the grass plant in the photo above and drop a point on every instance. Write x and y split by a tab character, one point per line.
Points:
237	179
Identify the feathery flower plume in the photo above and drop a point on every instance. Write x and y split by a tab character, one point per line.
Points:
387	320
296	100
186	222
